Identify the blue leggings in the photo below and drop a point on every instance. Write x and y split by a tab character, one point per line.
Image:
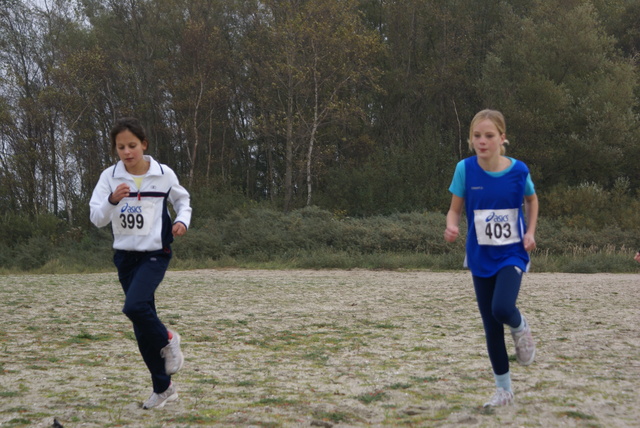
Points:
496	298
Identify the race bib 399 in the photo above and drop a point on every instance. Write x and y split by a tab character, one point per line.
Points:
497	227
133	218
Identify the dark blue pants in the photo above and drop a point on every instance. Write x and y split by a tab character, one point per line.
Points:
140	274
496	298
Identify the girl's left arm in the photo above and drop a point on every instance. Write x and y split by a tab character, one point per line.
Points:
181	201
531	212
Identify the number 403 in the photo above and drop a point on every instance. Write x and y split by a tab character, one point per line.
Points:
498	230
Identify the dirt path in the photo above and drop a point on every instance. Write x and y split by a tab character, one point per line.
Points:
318	348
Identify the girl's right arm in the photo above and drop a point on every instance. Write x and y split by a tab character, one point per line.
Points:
453	218
100	206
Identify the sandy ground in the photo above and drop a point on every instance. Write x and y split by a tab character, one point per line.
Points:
318	348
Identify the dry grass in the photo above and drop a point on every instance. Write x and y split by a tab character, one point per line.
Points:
318	348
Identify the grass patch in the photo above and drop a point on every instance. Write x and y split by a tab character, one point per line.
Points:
400	385
197	419
208	381
425	379
317	356
335	417
275	401
574	414
386	325
371	397
37	367
85	337
19	421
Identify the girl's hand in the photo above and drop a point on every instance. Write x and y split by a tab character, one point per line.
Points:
451	233
178	229
529	242
637	257
122	191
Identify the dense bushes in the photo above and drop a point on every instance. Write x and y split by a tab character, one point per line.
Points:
593	231
28	244
590	206
254	231
315	238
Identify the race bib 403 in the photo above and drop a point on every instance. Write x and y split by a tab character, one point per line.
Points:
133	218
497	227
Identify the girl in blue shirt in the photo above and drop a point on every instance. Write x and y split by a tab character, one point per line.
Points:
491	188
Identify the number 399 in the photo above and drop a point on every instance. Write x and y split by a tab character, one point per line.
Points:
130	221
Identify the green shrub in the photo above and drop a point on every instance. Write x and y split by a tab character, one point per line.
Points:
208	204
256	231
255	235
200	243
33	253
590	206
318	239
17	229
265	234
554	236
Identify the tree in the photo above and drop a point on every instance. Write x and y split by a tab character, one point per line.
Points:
360	106
566	92
25	146
198	80
320	55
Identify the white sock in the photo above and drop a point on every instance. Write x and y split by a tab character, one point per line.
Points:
518	329
503	381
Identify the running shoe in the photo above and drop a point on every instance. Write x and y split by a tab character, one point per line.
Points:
500	398
157	401
525	346
173	358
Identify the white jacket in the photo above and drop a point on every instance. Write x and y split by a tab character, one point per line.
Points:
141	221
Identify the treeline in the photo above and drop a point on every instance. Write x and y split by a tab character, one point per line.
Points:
358	107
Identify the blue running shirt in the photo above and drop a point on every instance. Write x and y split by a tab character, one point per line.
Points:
493	205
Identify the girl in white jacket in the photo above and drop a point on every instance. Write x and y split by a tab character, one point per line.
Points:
132	195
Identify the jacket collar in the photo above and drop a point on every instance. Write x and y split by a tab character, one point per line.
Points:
154	168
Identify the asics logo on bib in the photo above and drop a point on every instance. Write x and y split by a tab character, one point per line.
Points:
131	209
497	218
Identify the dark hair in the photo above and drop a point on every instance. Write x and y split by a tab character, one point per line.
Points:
130	124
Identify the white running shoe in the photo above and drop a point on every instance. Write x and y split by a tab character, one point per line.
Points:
525	346
500	398
173	358
157	401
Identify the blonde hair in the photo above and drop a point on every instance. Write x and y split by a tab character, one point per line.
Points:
496	118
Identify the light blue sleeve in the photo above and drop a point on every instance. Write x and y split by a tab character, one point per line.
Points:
529	188
457	184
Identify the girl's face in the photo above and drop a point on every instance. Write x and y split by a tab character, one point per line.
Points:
487	140
130	150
